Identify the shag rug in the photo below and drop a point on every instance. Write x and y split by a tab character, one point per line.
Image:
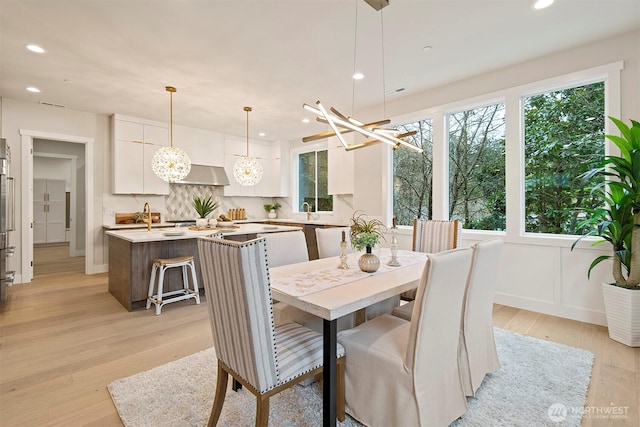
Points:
540	384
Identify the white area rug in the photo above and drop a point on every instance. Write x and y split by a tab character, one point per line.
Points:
540	384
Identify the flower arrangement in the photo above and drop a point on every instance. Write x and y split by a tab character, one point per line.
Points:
365	234
204	206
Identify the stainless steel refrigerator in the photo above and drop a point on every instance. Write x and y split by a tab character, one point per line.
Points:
7	218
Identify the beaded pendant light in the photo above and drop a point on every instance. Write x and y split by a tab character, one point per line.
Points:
247	170
170	163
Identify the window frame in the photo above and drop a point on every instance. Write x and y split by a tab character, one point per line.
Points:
514	149
295	176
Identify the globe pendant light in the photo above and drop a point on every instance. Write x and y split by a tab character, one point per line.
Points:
169	163
247	170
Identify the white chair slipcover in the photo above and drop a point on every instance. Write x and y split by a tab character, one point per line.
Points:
478	355
477	352
287	247
328	240
266	359
401	373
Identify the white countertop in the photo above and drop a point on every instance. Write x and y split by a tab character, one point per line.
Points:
139	225
142	235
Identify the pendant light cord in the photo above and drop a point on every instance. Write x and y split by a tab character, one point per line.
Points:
247	109
355	53
170	89
384	89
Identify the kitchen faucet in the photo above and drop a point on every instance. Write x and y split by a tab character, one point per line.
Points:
146	215
308	209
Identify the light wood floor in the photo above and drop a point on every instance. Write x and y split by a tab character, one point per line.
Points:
63	339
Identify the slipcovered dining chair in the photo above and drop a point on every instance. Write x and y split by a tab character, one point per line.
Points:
401	373
328	241
433	236
477	353
287	247
264	358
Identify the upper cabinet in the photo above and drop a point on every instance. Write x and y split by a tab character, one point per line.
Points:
203	147
135	141
269	156
340	164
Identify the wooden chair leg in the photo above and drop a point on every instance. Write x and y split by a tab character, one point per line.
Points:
340	409
218	401
262	411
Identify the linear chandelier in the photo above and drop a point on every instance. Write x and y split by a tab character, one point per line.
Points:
341	124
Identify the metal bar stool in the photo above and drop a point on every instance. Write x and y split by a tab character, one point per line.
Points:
181	294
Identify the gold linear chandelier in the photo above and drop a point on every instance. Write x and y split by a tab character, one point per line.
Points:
341	124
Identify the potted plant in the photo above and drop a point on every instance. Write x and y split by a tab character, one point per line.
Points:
617	223
203	206
271	210
365	234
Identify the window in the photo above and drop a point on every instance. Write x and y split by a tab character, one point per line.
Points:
413	175
477	167
313	181
563	137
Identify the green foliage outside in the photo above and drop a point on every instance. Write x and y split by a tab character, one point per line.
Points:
313	181
564	138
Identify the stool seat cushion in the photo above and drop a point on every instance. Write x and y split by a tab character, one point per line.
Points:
167	261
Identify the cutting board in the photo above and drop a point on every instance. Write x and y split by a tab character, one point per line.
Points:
127	218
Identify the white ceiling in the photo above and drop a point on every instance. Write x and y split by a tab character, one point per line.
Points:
274	55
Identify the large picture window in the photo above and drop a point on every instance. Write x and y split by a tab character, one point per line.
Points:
413	175
563	137
313	182
477	167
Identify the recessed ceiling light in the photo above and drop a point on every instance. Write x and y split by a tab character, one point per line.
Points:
33	89
34	48
541	4
305	120
262	134
358	76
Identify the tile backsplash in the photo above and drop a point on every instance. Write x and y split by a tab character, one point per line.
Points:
180	199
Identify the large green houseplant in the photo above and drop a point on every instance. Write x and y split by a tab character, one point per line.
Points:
618	223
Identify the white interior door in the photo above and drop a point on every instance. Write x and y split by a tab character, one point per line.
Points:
49	211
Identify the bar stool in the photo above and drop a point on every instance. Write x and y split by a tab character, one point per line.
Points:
181	294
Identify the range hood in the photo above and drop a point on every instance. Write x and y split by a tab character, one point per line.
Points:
205	175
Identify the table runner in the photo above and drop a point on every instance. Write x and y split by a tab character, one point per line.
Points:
318	280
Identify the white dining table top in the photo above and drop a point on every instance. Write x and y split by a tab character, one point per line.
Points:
337	301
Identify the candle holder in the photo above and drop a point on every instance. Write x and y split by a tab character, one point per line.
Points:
393	262
343	256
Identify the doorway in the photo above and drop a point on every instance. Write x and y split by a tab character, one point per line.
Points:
58	244
85	178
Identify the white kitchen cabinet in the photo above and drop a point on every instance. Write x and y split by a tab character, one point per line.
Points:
203	147
340	163
135	141
49	211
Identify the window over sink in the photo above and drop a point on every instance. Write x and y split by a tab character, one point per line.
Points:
311	170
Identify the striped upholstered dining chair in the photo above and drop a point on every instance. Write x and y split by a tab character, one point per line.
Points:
433	236
264	358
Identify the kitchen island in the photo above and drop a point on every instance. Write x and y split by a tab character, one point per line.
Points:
132	251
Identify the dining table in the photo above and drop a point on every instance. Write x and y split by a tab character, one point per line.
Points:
320	287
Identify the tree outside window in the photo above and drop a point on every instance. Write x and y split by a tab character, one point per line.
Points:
413	174
564	137
313	181
477	167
